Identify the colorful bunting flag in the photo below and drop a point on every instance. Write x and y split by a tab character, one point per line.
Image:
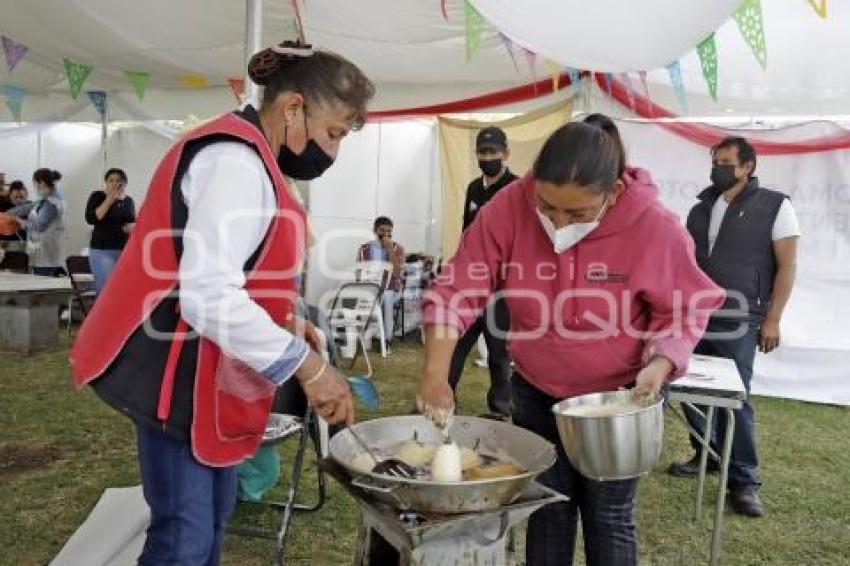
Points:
473	29
750	22
237	85
298	21
98	100
819	7
139	81
675	71
191	80
14	100
575	77
707	51
609	82
509	47
444	10
645	86
13	51
555	71
630	92
77	74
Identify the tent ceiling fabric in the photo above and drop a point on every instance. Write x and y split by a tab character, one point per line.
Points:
605	35
417	58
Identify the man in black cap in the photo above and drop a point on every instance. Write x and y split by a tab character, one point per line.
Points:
491	148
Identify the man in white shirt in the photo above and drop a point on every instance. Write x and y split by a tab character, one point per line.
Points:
746	241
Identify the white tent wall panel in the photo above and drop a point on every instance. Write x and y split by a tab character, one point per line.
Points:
816	322
388	169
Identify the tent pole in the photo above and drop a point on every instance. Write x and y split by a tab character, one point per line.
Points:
253	43
104	134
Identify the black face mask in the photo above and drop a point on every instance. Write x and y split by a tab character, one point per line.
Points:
723	177
307	165
490	167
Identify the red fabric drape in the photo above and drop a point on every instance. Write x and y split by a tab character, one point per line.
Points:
702	134
499	98
708	136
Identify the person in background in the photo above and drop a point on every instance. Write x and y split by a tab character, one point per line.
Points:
4	194
746	241
112	213
17	196
491	148
45	224
383	248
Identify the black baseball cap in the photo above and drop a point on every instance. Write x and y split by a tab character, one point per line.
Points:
491	137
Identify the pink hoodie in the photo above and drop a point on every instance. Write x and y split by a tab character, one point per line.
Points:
590	318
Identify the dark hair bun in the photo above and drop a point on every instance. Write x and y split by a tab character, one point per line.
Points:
265	64
56	175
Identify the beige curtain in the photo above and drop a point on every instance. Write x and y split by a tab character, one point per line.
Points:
526	134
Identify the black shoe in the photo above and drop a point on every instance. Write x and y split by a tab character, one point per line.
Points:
691	468
745	501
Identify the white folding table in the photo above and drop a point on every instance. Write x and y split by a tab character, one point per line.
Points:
716	384
29	311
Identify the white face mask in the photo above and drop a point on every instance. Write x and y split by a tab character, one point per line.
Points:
571	234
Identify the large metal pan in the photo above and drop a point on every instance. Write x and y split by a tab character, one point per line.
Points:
533	453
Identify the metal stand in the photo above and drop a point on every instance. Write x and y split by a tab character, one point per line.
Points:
388	537
724	458
306	429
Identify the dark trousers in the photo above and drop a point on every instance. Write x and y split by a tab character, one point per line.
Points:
743	467
498	361
607	508
189	502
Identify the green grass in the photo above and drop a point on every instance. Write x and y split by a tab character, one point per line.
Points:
85	448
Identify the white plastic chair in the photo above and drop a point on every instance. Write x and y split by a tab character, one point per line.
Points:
380	274
351	312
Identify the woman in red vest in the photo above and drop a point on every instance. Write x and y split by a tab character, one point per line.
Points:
194	331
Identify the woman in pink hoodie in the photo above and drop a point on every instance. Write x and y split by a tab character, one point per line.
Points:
603	292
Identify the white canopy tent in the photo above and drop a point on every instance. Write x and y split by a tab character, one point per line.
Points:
416	57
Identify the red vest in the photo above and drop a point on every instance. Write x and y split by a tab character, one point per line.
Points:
230	402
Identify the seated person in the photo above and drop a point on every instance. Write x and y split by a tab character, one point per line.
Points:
17	196
383	248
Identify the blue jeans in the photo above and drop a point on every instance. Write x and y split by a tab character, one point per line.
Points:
607	508
102	263
743	467
189	502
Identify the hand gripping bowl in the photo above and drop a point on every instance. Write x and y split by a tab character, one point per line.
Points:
531	452
608	437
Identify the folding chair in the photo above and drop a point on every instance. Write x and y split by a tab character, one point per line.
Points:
350	314
380	273
16	262
283	425
82	286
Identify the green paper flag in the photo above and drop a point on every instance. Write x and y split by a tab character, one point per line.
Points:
77	75
473	29
139	82
751	25
707	51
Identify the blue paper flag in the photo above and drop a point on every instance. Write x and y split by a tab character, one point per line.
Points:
98	100
675	71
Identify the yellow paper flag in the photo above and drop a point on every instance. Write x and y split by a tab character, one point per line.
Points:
193	81
555	71
819	7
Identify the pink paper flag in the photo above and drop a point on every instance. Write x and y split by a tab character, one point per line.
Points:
14	52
